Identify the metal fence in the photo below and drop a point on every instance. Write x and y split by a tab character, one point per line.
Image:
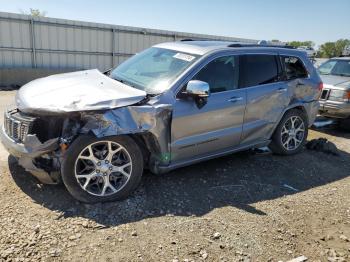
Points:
41	42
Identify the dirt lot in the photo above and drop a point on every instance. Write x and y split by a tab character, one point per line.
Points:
243	207
6	100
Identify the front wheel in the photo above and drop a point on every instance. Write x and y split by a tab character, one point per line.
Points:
290	134
99	170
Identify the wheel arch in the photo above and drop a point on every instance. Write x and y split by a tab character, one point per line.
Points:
299	106
150	148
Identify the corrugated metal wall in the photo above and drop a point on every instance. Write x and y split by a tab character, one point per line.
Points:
57	43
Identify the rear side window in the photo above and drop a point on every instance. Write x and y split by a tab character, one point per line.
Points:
259	70
294	67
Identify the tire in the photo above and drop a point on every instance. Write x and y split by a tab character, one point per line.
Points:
89	178
345	124
279	142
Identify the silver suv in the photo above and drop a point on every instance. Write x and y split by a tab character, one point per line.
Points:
169	106
335	98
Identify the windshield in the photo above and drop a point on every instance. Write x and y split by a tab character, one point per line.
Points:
154	69
335	67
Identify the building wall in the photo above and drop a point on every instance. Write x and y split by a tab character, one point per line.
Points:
44	42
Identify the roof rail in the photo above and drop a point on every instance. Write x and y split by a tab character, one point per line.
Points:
257	45
186	39
200	39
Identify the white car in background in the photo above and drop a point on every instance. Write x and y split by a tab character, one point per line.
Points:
346	51
335	96
319	61
309	50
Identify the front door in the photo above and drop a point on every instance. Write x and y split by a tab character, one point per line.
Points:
218	124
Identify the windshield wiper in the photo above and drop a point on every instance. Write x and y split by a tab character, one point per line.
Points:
124	82
119	80
128	83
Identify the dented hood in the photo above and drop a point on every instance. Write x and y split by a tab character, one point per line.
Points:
77	91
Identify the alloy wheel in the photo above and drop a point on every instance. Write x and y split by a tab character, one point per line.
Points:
103	168
292	133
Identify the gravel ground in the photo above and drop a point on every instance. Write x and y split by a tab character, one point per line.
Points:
243	207
6	100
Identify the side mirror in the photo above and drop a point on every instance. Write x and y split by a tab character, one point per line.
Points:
198	89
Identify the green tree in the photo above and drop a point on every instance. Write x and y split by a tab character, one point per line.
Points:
340	45
327	50
333	49
301	43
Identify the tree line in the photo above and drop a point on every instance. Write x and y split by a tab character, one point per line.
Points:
326	50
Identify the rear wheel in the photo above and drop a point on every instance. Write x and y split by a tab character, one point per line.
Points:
98	170
290	134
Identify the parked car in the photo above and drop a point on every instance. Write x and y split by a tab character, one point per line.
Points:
319	61
309	50
346	51
335	97
169	106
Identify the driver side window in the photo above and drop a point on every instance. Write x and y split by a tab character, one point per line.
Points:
221	74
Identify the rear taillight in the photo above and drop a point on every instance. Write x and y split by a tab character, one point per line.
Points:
320	86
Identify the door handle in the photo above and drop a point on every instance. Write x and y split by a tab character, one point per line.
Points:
282	89
235	99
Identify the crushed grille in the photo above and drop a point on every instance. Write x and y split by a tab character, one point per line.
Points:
17	125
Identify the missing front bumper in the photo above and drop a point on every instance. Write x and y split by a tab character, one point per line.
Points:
27	154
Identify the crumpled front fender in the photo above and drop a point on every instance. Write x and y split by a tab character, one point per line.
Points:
154	119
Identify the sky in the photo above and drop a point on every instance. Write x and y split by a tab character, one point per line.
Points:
319	21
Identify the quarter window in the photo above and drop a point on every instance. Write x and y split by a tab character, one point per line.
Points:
221	74
294	67
259	70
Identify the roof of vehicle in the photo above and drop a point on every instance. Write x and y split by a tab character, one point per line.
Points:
205	46
341	58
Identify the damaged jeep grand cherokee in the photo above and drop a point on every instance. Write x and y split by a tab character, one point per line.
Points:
169	106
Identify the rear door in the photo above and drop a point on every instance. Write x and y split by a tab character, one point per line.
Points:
267	95
218	124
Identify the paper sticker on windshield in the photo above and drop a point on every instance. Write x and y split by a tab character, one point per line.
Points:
185	57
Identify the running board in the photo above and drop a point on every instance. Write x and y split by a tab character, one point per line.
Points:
175	165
